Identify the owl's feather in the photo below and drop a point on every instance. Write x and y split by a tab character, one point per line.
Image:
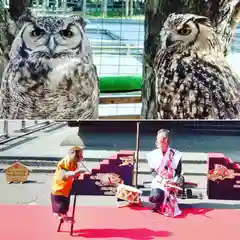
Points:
50	74
193	79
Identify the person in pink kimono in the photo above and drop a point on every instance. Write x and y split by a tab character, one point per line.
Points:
166	167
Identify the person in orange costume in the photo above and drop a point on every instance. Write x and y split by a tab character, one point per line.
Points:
67	170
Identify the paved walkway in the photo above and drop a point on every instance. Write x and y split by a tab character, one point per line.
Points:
37	191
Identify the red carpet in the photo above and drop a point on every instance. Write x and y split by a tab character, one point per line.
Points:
37	223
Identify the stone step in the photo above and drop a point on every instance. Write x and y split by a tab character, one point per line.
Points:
143	168
96	156
144	180
49	169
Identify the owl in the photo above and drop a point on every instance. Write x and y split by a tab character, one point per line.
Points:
192	77
50	74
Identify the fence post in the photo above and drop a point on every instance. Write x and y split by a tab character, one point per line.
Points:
104	8
131	8
5	129
84	7
126	8
23	125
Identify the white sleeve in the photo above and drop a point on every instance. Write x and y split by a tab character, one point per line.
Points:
150	159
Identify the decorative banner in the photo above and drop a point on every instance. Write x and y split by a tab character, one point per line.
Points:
221	172
223	178
105	180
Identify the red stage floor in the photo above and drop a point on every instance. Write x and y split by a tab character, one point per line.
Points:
37	223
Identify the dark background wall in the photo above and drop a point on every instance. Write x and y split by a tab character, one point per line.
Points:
187	136
203	127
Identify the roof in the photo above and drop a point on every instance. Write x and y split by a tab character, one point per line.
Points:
15	165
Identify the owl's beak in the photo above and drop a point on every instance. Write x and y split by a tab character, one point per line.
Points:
51	45
169	40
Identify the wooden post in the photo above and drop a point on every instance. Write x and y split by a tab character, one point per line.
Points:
137	155
74	208
60	224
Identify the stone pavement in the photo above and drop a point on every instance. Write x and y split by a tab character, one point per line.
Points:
37	192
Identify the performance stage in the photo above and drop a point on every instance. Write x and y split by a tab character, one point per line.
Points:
24	222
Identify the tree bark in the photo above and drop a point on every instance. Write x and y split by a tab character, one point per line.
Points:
222	13
8	27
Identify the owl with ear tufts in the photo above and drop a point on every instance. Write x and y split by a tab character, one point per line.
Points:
192	77
50	74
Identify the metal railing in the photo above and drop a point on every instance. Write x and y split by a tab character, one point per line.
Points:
117	50
25	129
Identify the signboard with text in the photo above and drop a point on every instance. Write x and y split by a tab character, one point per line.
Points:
16	173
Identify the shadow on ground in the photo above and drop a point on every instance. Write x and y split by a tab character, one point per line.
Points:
134	234
209	205
28	182
199	205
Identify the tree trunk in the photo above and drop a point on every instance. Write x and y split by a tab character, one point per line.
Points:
222	13
8	18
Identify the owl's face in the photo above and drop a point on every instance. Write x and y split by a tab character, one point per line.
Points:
185	30
52	37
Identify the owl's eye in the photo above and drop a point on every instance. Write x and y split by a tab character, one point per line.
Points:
37	32
66	33
184	31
